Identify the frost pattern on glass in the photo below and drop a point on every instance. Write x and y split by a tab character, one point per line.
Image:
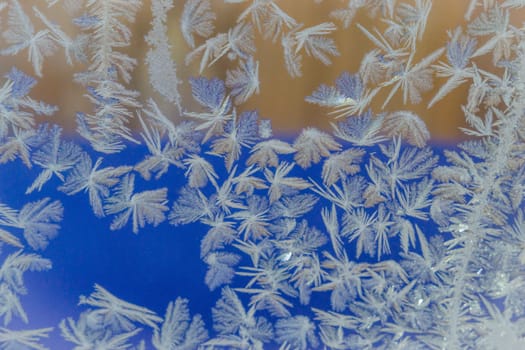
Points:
363	237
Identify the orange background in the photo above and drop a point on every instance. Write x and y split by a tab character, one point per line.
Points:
281	98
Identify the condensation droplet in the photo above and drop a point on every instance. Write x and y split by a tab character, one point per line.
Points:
286	256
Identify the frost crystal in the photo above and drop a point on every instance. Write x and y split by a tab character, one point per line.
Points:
368	235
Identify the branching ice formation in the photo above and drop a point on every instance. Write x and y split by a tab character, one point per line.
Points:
364	237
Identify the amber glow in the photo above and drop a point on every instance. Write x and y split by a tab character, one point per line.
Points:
281	97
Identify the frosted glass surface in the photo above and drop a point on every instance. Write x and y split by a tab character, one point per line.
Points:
154	195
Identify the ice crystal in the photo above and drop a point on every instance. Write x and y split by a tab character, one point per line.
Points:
365	236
